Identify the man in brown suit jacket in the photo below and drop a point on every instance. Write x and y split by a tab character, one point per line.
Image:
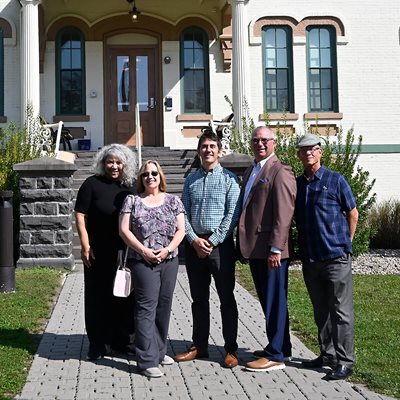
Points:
268	197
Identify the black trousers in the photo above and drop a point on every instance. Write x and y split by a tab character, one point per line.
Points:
108	319
220	265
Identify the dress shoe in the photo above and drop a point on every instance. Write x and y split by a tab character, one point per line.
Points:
263	364
262	354
98	352
340	372
94	355
192	353
230	360
153	372
319	362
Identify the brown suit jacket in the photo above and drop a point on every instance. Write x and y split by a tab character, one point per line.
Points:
266	216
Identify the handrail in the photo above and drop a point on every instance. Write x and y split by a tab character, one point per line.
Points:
138	136
58	137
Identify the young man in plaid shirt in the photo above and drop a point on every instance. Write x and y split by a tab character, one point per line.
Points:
210	197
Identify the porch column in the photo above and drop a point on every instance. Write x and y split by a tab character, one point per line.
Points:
240	69
30	77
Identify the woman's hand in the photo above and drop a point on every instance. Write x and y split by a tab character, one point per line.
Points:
86	254
155	256
150	256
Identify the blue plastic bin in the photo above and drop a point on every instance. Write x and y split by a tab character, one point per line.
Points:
84	144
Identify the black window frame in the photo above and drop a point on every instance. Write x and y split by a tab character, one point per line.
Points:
61	109
331	69
1	73
288	70
194	30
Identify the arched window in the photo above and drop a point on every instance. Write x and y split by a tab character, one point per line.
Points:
322	69
70	72
278	68
195	71
1	72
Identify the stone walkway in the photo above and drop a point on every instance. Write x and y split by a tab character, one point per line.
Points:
60	371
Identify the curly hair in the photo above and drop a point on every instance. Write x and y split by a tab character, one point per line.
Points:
124	153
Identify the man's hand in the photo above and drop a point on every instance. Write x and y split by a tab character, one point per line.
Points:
274	260
203	247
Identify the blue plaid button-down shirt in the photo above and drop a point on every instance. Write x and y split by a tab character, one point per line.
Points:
321	220
211	203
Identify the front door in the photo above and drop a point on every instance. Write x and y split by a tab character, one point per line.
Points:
132	79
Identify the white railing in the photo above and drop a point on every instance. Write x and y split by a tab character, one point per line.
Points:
59	127
138	135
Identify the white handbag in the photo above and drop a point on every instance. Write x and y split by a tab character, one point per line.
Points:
123	280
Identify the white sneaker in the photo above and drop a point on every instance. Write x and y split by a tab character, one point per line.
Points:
167	360
152	372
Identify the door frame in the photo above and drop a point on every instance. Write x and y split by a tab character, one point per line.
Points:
159	142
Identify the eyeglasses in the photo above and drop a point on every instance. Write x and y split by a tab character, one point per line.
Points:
312	150
147	174
263	140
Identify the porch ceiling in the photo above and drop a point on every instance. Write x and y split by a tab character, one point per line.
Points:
95	10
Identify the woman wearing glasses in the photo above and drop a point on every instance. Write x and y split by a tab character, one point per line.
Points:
152	225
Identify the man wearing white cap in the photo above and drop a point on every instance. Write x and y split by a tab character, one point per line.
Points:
326	218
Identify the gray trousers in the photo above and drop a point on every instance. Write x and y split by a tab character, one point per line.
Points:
154	288
330	286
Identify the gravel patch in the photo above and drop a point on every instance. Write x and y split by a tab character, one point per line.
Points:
375	262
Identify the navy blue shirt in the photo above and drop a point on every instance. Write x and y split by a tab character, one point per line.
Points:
321	221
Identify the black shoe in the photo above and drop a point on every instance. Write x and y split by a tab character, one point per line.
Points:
94	355
341	372
319	362
97	352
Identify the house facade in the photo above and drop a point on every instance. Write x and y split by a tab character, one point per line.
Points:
315	62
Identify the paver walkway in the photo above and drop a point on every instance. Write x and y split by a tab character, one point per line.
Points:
60	371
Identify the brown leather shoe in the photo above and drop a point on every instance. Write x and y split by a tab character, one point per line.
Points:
263	364
192	353
230	360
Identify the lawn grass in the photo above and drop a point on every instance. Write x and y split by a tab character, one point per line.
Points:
377	325
22	315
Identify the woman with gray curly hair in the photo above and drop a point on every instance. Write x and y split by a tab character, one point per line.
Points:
108	319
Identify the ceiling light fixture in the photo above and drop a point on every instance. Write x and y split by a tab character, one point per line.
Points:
134	13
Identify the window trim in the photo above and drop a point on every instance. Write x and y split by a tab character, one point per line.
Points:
334	72
195	29
58	69
289	54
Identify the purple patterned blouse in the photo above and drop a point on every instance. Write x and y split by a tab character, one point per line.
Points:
153	226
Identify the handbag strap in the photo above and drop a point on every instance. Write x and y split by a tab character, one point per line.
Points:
126	256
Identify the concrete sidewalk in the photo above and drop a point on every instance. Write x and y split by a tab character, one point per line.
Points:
60	371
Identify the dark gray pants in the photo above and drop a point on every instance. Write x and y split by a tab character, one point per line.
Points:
154	289
330	286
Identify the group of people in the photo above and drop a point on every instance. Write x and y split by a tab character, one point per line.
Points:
151	224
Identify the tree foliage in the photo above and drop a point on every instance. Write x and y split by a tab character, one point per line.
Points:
340	154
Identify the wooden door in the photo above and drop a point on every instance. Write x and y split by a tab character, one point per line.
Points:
132	74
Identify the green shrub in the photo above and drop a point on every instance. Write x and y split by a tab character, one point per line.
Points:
340	154
384	218
17	145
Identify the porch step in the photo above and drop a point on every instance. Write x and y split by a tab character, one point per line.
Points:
176	164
